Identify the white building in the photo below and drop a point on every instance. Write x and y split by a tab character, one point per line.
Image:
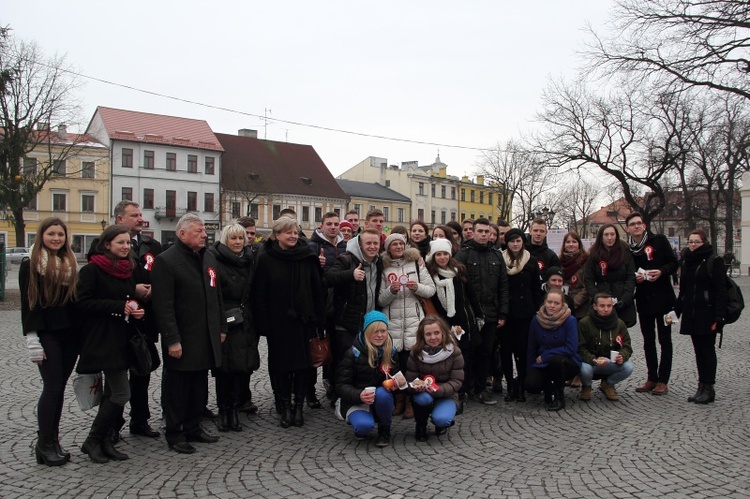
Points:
168	165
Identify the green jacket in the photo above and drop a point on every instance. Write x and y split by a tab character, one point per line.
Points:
594	342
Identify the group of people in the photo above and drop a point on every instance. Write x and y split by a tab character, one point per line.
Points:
418	322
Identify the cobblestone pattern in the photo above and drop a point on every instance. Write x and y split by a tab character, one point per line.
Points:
641	446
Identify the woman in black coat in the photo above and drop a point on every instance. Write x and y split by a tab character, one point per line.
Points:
525	293
240	348
288	307
701	307
611	269
106	288
47	283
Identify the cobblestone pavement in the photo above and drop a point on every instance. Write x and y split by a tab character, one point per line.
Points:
641	446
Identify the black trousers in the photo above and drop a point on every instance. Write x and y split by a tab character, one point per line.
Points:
658	370
183	399
514	343
705	357
61	348
559	369
477	376
139	410
230	388
290	383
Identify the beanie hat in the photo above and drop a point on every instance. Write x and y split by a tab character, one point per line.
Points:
437	245
552	271
346	223
513	233
374	316
391	238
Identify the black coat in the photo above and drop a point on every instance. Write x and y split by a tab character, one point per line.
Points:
240	348
105	334
288	304
488	276
354	374
468	309
703	298
188	306
42	319
350	295
545	257
525	291
656	297
619	282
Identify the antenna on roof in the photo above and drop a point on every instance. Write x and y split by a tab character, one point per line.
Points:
266	112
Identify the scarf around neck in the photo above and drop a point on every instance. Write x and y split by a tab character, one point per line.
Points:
54	265
609	322
571	263
121	269
519	264
635	246
438	356
552	322
446	291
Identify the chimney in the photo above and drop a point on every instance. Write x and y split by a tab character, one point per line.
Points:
480	179
62	132
247	132
43	126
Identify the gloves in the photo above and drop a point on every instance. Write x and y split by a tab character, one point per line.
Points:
36	351
480	324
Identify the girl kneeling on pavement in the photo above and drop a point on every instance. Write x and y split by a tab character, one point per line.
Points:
435	370
366	365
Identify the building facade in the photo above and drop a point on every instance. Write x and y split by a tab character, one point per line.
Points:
366	196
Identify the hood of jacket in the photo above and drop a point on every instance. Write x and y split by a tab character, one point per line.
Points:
318	237
410	255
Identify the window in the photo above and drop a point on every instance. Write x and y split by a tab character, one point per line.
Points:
443	216
305	213
442	191
192	201
481	197
420	214
210	165
87	203
148	199
171	161
463	216
463	194
276	211
489	196
208	201
318	214
31	205
29	166
358	209
171	204
372	207
192	163
148	160
432	189
453	193
254	210
432	217
671	232
236	208
473	198
421	188
127	158
400	214
59	201
127	193
453	216
472	216
387	183
59	167
87	169
386	213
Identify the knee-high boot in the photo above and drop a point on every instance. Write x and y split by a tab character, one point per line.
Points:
108	446
421	415
100	430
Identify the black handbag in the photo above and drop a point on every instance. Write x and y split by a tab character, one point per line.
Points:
139	354
234	316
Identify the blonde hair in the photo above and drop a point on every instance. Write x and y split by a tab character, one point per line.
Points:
372	350
234	229
283	224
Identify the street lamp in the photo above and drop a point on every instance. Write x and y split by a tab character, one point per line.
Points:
104	223
546	214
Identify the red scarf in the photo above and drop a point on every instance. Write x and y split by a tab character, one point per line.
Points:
571	262
122	269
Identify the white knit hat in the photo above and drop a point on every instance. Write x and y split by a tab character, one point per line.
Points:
391	238
438	245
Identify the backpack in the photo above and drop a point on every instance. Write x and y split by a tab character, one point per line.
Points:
735	300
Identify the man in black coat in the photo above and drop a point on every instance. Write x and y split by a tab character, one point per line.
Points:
190	314
488	276
654	297
538	248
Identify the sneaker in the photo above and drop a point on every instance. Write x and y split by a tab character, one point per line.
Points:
608	390
486	398
585	394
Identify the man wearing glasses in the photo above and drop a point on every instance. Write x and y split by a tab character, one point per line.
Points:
654	297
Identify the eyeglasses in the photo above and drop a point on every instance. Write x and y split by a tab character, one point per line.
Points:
635	224
695	242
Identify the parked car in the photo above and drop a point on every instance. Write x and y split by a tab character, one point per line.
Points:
15	255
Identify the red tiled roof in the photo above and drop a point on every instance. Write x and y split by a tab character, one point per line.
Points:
266	166
136	126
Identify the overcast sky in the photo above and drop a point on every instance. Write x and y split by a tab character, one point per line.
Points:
464	73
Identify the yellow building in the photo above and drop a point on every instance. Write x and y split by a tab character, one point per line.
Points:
476	200
366	196
78	191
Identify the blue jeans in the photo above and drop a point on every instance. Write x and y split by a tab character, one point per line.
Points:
364	421
612	373
443	412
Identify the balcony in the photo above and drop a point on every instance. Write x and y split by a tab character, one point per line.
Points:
164	212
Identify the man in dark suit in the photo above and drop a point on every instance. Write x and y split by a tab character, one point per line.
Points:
190	314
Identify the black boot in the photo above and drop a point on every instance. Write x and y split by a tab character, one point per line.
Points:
559	400
109	449
58	448
520	390
100	430
223	421
421	414
234	419
707	396
112	414
299	418
701	387
512	391
384	436
286	412
46	452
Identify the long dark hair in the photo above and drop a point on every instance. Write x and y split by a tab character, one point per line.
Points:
515	257
614	256
444	328
55	289
449	236
432	268
109	234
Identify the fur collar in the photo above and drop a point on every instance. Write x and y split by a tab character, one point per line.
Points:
410	255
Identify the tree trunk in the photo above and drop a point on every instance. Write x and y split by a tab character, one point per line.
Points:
20	226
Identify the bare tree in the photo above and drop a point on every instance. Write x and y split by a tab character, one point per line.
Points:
37	92
244	187
574	202
697	43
